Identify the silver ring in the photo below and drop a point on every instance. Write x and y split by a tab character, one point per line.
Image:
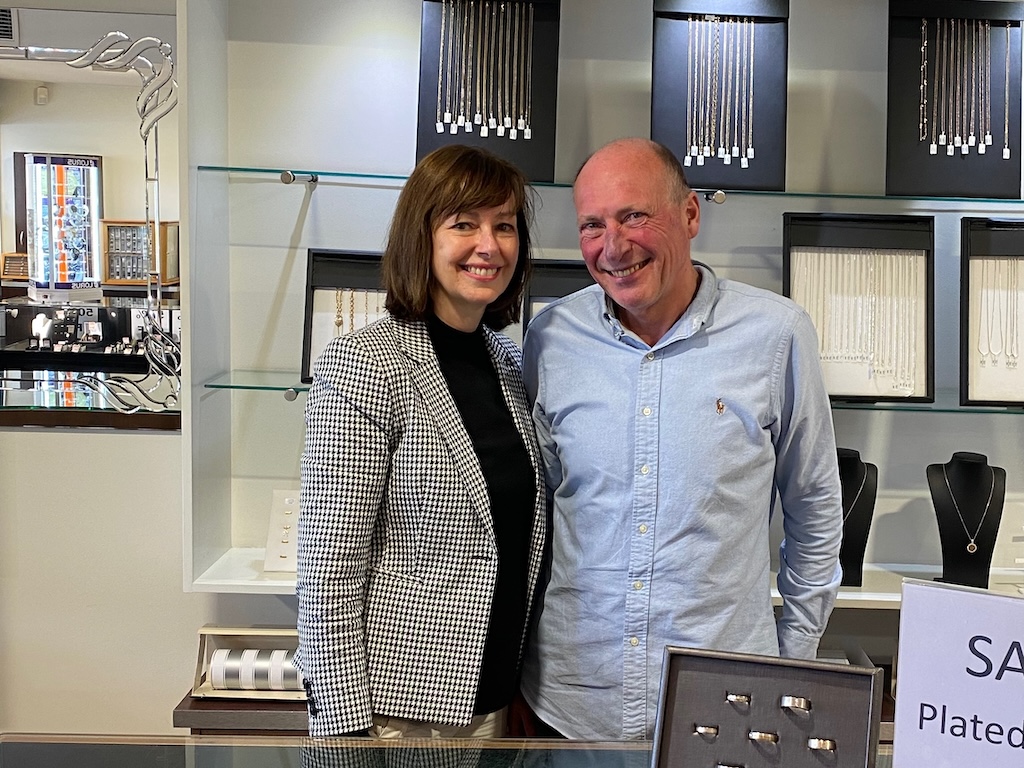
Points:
795	702
738	698
826	745
705	730
766	736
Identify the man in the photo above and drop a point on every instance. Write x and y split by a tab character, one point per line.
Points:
672	407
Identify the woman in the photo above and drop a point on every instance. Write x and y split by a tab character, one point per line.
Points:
422	518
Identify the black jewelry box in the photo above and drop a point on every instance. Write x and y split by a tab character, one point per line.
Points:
868	283
722	708
948	67
991	283
705	54
551	279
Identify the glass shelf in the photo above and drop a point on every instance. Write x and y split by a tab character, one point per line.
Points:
357	177
946	401
269	381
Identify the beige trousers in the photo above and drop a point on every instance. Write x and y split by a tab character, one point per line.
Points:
490	726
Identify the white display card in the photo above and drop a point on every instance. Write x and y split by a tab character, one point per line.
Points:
960	678
869	307
993	333
282	530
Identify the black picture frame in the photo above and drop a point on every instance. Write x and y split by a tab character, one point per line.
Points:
910	168
669	91
333	270
553	279
535	157
996	240
844	702
875	232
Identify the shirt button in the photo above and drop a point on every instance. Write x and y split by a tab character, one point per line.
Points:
645	470
643	527
646	411
649	355
634	641
638	585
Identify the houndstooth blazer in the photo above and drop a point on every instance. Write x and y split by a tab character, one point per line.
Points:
397	560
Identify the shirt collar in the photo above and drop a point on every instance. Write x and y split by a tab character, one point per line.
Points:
693	319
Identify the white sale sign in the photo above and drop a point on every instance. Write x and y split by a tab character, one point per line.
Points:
960	678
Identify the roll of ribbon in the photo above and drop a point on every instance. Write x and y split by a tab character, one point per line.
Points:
249	669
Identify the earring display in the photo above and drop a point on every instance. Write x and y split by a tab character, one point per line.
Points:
488	77
960	136
967	495
991	286
734	709
281	549
867	284
729	94
342	295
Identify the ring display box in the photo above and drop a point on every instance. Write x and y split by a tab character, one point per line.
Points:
954	100
735	709
248	663
991	287
343	294
868	284
489	78
551	279
718	97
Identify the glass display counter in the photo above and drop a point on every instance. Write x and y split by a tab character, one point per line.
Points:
36	751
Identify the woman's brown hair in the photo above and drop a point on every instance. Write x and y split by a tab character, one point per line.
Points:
451	180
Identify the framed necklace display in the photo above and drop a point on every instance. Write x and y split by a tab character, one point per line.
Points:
718	96
343	294
868	284
954	99
489	78
991	287
551	279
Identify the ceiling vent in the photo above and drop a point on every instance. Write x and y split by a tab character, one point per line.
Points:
9	27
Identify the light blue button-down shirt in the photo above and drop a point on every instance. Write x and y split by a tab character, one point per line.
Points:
664	463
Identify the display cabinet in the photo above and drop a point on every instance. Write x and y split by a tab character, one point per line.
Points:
244	261
124	260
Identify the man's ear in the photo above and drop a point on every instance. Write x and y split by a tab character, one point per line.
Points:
691	214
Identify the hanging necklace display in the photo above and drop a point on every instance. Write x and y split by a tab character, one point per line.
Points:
959	61
485	67
971	546
719	90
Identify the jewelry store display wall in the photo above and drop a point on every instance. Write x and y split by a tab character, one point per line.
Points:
991	284
718	97
551	279
870	298
954	99
489	78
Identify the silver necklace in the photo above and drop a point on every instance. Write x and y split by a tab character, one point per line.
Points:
856	496
971	546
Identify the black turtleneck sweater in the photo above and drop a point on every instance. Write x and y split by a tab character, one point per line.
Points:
505	463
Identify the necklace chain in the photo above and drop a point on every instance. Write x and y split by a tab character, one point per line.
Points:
971	546
856	496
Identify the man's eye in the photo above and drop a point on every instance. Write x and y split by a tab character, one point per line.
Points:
635	216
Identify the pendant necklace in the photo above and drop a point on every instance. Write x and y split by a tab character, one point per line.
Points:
856	496
971	546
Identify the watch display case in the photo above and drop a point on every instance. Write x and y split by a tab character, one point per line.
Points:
63	199
718	97
124	259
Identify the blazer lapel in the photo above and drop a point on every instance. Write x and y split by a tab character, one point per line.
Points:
412	338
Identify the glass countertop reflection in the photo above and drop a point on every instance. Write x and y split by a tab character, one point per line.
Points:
40	751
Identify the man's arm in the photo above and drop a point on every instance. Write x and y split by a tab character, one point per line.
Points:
807	477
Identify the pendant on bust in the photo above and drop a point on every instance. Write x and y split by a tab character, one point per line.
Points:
972	547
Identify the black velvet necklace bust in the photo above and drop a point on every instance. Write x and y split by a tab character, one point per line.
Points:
967	495
860	486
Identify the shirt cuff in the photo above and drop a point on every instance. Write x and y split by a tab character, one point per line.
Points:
797	646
